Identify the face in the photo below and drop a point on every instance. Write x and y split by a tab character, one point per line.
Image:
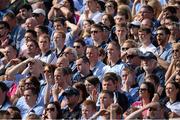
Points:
155	112
66	4
125	47
28	84
132	59
143	36
148	64
145	13
121	32
21	87
86	26
167	23
68	53
96	34
87	111
72	100
105	20
109	8
3	31
112	51
44	44
91	4
146	23
59	78
161	37
79	48
58	26
92	54
143	91
171	90
108	85
31	47
105	100
48	72
81	66
62	62
30	24
134	30
51	111
9	53
177	78
24	13
89	87
124	75
120	19
28	36
58	40
176	53
29	97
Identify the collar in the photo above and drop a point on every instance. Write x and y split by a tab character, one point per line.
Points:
118	62
47	53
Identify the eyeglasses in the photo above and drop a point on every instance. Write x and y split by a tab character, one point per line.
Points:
94	31
173	51
142	89
50	109
76	47
131	56
124	48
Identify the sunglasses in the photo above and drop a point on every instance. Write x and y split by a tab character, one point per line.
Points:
50	109
173	51
124	48
94	32
142	89
76	47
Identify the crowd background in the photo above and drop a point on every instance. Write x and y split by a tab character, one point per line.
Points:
89	59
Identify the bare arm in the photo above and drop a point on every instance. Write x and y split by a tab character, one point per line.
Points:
170	70
75	28
163	63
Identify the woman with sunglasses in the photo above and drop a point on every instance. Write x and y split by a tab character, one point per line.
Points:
146	93
52	111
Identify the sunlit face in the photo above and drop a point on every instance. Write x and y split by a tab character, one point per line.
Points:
109	8
105	100
44	43
81	66
51	111
108	85
89	87
96	34
87	111
143	91
59	78
171	90
105	20
29	97
58	40
112	51
161	37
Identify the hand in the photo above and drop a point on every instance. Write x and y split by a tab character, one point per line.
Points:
55	90
14	61
94	95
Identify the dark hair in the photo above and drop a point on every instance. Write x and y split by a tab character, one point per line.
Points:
6	25
32	32
32	116
51	67
147	30
14	108
93	80
34	80
84	58
58	108
110	76
98	26
166	30
60	19
115	44
150	89
110	93
10	15
3	87
26	6
148	7
89	21
3	113
81	41
111	19
81	87
33	90
154	77
43	29
62	69
173	18
177	87
15	115
171	9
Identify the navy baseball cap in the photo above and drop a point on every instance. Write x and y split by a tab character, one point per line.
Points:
71	91
148	55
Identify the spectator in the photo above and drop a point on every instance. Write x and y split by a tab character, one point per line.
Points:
4	33
80	47
4	102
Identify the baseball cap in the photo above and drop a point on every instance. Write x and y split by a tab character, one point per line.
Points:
135	23
71	91
148	55
39	11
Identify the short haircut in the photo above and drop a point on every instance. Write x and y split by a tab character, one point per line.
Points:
110	93
131	42
115	44
148	7
93	80
122	25
163	28
10	15
26	6
60	19
92	47
61	32
33	90
62	69
171	9
3	87
147	30
43	28
84	58
89	103
34	34
98	26
154	77
34	80
173	18
81	41
44	36
110	76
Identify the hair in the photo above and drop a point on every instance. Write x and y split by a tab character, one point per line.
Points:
33	116
150	89
60	19
128	70
147	30
176	45
114	4
170	9
81	42
34	80
26	6
98	26
69	71
117	109
45	36
58	108
51	67
4	113
115	44
34	34
156	5
124	9
122	13
123	2
15	115
92	47
61	32
6	25
33	90
110	76
163	28
148	7
89	21
74	52
131	42
84	58
93	80
10	15
89	103
154	77
14	108
177	87
3	87
43	28
62	69
35	42
81	87
110	93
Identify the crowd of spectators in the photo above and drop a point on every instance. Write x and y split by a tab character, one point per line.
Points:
89	59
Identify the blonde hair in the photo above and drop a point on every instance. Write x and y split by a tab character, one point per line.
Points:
126	10
156	5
